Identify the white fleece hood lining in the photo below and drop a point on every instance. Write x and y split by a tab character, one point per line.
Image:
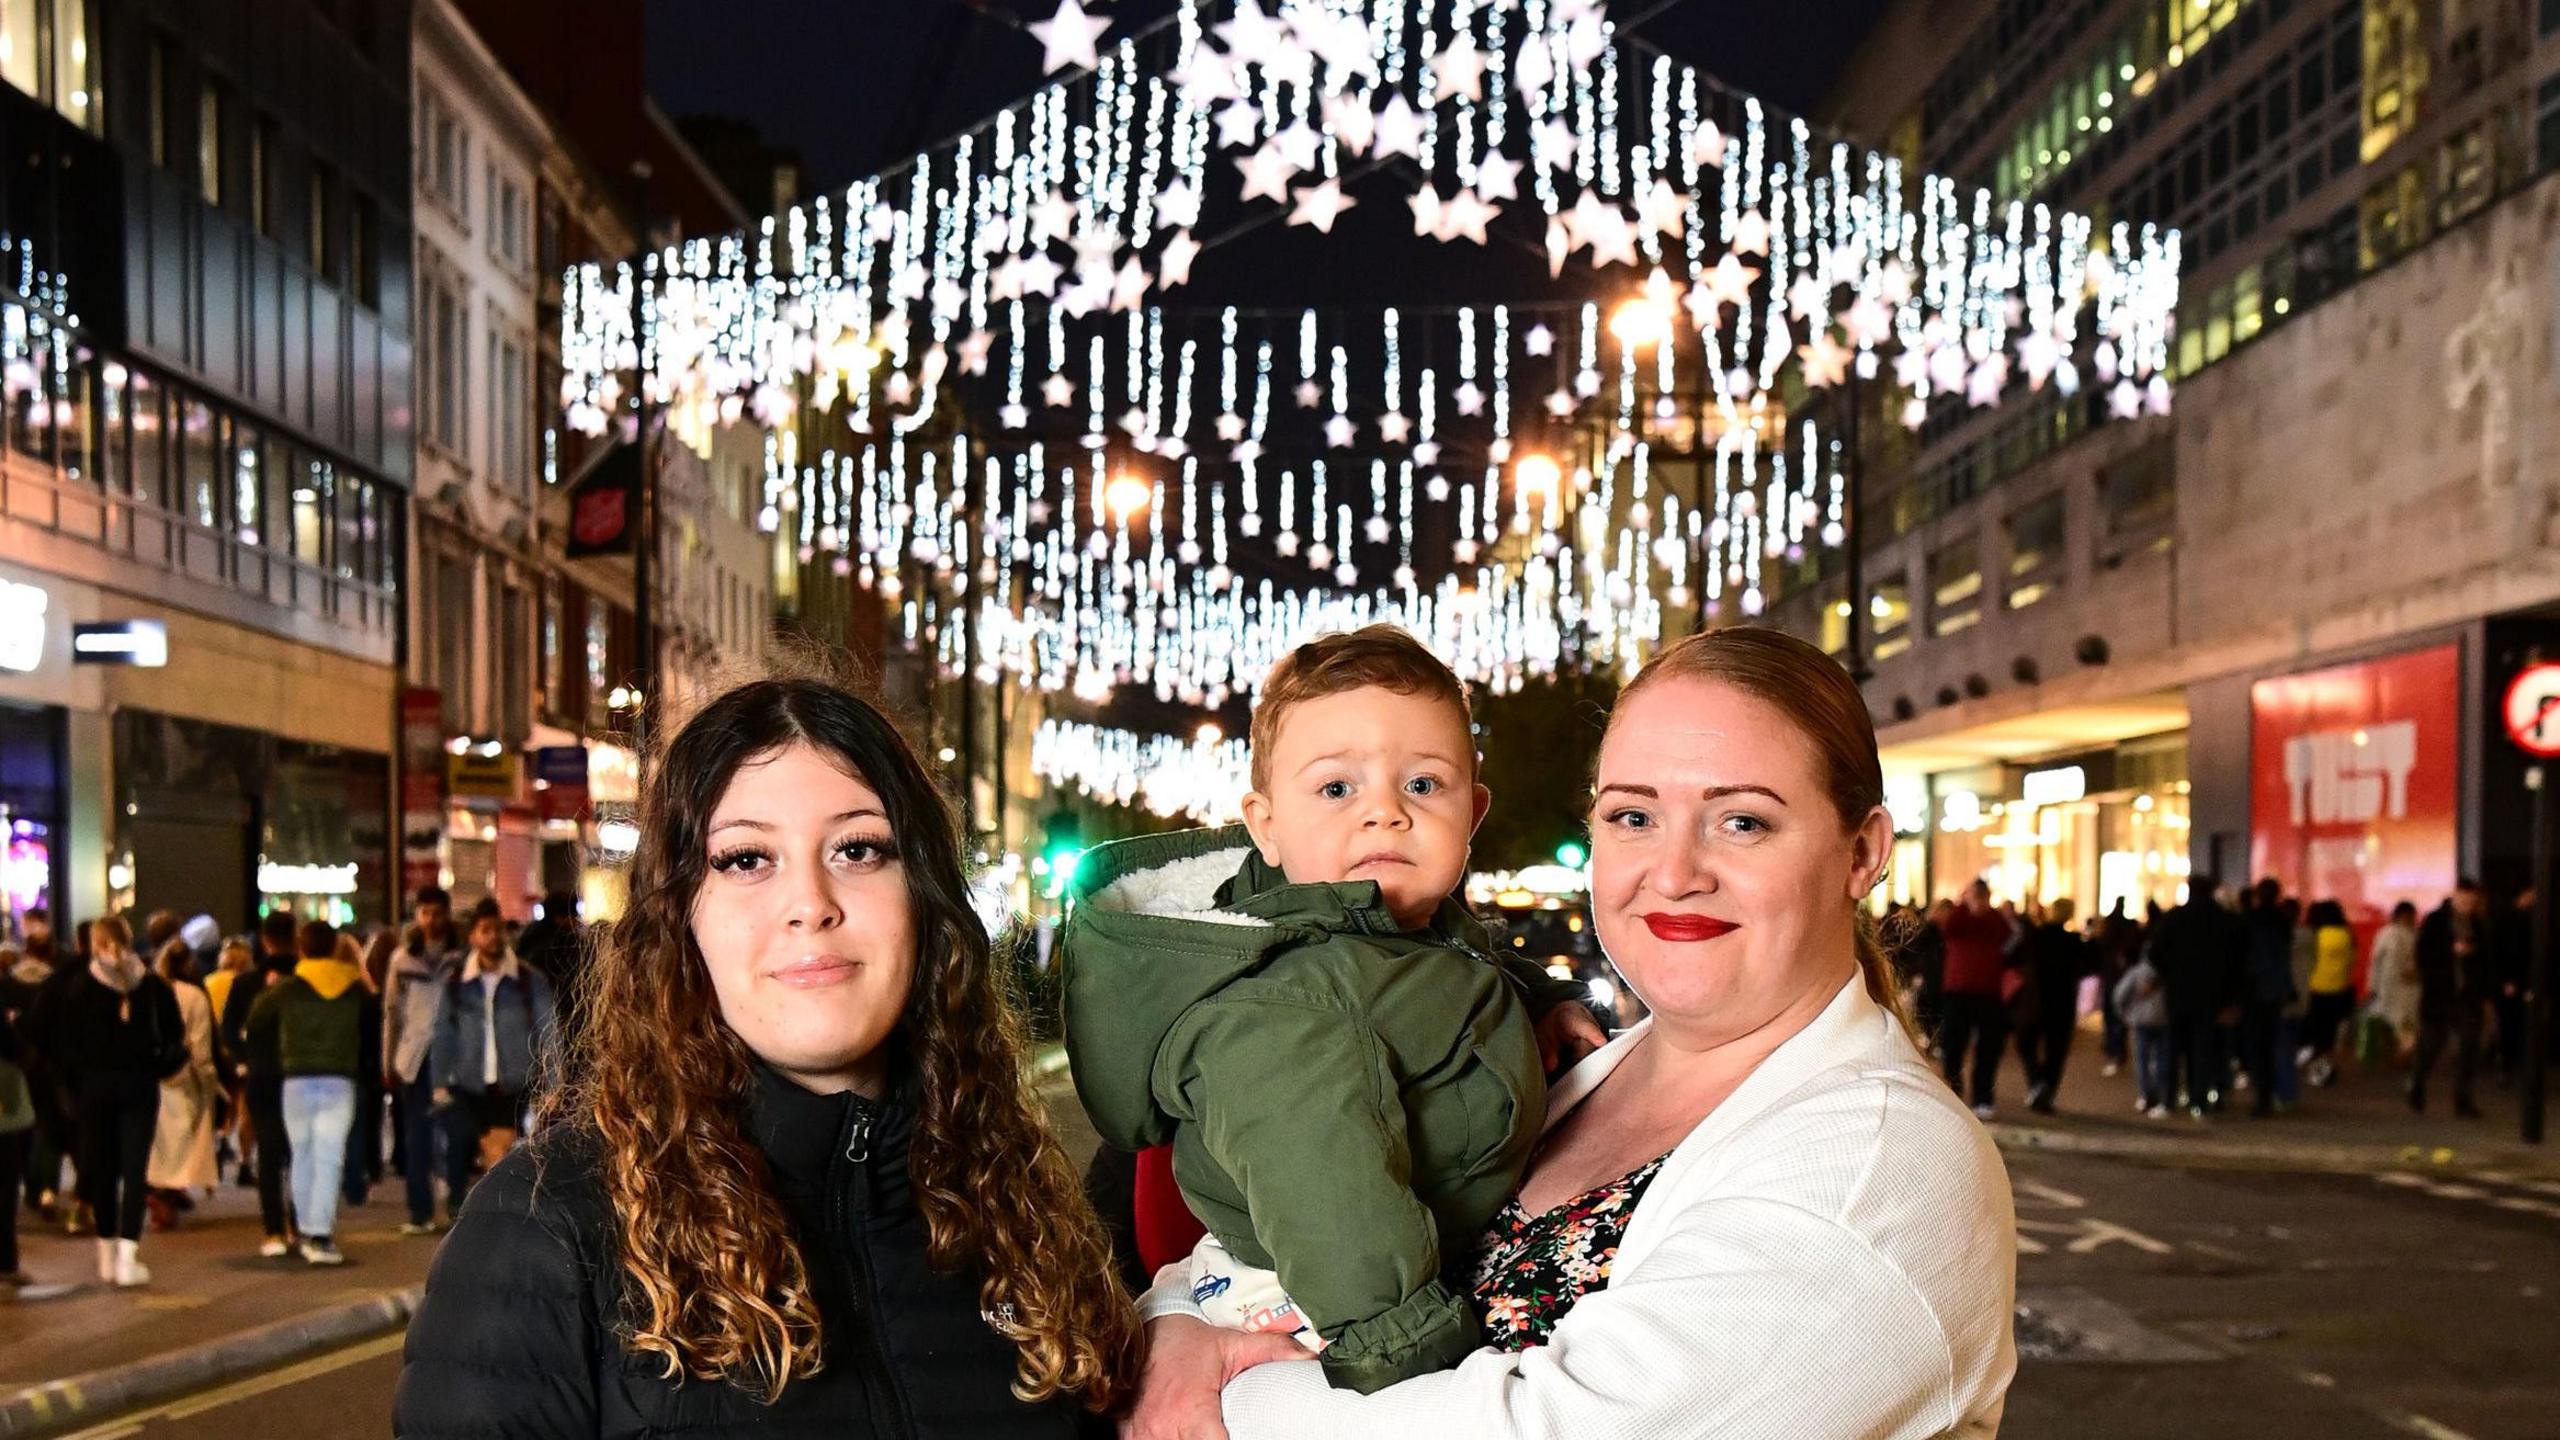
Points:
1185	889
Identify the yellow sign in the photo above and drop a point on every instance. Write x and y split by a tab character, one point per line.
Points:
489	777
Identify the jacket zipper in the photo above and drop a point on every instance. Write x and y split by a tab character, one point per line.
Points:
852	1203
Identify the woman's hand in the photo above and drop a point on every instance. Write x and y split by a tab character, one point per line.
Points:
1188	1363
1567	1034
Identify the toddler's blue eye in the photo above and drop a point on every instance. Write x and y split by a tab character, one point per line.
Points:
1422	785
1336	790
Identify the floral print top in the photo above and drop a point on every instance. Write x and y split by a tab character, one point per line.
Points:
1534	1267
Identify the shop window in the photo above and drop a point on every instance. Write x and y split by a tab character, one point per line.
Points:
1955	586
2035	535
1889	608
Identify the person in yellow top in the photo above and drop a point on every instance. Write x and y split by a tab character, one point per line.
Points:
2332	987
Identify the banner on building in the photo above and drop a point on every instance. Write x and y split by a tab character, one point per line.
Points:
560	782
2353	775
604	505
421	788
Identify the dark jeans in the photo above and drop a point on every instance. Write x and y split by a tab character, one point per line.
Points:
2267	1044
2115	1033
2045	1047
2199	1061
2461	1023
275	1152
418	1146
118	1114
1978	1022
364	1144
469	1115
2329	1013
2155	1074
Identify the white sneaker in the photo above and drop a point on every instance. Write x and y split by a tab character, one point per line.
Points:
320	1252
107	1261
2141	1105
1984	1112
2111	1069
130	1271
2157	1112
275	1248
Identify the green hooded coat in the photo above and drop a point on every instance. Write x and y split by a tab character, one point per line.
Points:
1349	1104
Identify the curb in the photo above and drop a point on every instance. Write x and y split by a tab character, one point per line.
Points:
2354	1159
59	1404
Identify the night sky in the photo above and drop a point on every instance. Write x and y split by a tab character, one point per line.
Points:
853	84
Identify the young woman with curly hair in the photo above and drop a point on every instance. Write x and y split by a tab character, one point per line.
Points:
796	1183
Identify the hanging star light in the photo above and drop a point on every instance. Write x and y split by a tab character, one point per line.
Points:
1068	38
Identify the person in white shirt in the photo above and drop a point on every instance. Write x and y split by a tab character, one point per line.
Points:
1760	1213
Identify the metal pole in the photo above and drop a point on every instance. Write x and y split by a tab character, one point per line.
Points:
644	542
2537	1035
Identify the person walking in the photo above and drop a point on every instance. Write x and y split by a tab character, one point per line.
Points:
261	1082
232	961
429	957
122	1033
17	1127
2332	991
319	1023
2201	952
1973	1016
494	1029
2393	978
2264	1049
2142	999
182	1153
2059	959
2117	941
2457	960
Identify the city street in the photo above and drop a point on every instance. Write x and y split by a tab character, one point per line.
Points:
2161	1302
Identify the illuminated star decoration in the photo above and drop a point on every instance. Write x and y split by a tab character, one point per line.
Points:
1068	38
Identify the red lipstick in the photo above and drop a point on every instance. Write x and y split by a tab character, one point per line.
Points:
1674	927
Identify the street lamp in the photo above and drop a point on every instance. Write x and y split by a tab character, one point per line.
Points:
1645	319
1537	474
1126	495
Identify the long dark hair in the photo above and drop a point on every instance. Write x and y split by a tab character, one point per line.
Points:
716	1285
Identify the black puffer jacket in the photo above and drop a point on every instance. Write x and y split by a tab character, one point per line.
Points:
516	1337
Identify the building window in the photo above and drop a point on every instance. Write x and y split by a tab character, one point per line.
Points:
2466	174
2395	72
552	621
324	206
212	120
1889	607
45	51
507	213
1955	586
510	404
313	492
2036	534
445	339
364	252
444	151
157	106
262	207
2137	502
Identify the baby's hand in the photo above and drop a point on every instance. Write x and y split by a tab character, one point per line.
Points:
1566	1035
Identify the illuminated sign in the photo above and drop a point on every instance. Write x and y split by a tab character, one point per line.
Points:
121	642
2054	787
22	626
274	879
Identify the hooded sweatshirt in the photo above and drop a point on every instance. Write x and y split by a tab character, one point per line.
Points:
1349	1103
319	1021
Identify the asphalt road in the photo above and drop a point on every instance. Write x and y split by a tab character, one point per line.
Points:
2177	1303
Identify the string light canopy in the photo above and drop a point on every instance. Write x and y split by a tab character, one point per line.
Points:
988	405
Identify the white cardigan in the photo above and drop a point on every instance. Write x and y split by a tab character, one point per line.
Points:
1830	1255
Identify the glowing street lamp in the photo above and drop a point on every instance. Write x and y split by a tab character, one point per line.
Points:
1537	474
1126	495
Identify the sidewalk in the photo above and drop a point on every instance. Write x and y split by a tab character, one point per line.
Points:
2361	1124
214	1309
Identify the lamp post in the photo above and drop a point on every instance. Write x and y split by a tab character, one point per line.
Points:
644	540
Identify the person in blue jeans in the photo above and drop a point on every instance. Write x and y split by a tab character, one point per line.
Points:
493	1034
2143	1001
429	957
320	1024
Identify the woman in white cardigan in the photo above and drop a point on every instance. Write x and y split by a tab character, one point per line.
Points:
1760	1212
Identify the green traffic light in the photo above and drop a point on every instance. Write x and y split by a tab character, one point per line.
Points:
1571	855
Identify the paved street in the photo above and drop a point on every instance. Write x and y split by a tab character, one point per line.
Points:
2161	1300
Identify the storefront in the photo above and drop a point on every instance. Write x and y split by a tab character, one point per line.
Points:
2354	780
34	818
2105	827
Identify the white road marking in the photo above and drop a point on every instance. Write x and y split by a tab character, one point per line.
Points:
243	1389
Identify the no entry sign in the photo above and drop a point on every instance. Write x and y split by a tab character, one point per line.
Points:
2533	709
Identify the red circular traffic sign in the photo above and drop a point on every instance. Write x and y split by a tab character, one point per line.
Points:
2532	709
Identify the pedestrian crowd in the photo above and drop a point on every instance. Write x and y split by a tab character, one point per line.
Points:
2250	992
137	1068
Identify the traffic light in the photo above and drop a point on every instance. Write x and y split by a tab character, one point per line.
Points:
1063	853
1572	855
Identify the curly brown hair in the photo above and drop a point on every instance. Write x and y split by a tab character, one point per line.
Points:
715	1283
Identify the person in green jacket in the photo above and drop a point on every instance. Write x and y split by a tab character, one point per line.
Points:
1350	1083
322	1026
